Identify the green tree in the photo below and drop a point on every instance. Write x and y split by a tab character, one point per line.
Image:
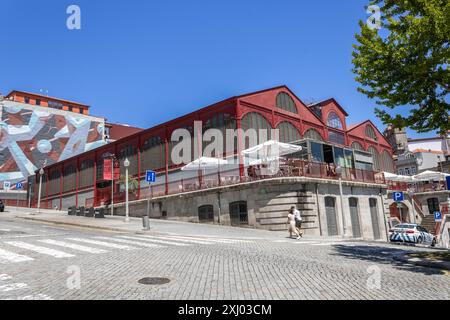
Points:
406	61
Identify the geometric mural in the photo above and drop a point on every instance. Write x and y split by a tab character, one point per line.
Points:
33	136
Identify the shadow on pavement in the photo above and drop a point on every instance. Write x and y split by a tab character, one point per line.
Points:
383	255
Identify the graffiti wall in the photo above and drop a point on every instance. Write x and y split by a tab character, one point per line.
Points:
31	137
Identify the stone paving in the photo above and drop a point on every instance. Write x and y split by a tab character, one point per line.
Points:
209	263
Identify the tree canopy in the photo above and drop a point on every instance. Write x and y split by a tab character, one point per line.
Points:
405	62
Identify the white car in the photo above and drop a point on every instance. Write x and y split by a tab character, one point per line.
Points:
411	233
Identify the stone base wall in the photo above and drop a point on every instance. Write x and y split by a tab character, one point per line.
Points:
268	203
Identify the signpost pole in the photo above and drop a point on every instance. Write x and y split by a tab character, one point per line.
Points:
150	177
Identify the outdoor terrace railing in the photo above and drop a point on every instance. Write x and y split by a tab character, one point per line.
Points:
289	168
417	187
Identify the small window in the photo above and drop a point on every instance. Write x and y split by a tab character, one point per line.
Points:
285	102
27	100
70	108
38	102
206	213
313	135
370	133
334	121
357	146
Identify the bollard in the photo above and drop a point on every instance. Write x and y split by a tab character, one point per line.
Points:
146	223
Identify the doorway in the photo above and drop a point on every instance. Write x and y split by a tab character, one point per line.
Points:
238	213
354	215
330	210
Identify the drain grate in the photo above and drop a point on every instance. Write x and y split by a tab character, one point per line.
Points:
154	281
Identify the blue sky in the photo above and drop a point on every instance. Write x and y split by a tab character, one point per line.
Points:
143	62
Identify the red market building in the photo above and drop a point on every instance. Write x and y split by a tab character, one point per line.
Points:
321	128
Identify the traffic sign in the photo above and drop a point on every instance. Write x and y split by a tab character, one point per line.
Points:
398	196
19	186
438	216
150	176
448	182
7	185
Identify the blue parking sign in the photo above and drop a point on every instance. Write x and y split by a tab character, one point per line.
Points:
398	196
438	216
150	176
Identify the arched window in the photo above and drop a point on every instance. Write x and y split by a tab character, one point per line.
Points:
128	152
255	121
54	185
313	135
285	102
221	122
69	181
388	162
357	146
370	133
288	132
153	154
376	158
334	121
86	173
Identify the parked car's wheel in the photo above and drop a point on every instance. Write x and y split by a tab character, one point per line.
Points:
433	244
420	240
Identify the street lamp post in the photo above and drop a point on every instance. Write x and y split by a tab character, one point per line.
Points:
29	194
126	164
41	173
341	193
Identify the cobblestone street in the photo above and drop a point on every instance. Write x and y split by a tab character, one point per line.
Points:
40	261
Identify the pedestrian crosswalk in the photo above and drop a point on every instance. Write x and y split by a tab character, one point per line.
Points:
28	250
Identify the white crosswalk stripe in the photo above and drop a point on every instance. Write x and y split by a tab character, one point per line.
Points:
214	240
13	257
12	287
73	246
104	244
5	277
148	239
136	243
326	244
42	250
180	239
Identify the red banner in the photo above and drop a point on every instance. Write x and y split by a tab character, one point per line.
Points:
107	168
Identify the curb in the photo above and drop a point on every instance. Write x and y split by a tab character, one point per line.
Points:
422	262
82	225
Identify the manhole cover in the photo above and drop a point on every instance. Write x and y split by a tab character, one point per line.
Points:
154	281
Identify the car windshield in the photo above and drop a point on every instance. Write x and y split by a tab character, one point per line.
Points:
405	226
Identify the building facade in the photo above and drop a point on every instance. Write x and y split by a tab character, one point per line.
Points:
320	128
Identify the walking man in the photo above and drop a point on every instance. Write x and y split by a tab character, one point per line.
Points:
298	220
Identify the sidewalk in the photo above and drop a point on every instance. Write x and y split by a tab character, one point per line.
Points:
118	224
